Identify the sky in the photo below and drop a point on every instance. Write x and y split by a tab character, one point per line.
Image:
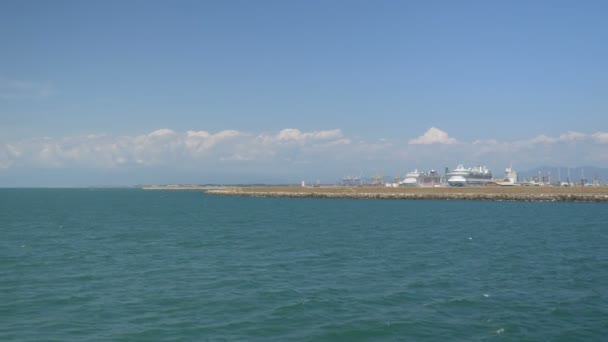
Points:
155	92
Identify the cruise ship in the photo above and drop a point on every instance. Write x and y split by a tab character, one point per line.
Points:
471	176
421	179
411	179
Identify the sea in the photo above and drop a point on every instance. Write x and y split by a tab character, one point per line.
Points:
137	265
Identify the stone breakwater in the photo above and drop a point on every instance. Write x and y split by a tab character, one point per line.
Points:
471	196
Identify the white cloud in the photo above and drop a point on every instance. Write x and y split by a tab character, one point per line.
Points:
542	139
341	141
163	147
601	137
290	134
565	137
292	149
295	134
197	134
433	136
161	133
197	143
572	136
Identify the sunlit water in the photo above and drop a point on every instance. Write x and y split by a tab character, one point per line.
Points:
128	264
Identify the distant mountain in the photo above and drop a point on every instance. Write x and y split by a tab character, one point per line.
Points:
576	173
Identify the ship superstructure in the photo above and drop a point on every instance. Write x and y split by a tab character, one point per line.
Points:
421	179
411	179
472	176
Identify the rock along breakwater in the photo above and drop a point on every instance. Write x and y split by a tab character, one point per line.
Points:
473	194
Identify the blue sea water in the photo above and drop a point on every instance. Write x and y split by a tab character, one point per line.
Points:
135	265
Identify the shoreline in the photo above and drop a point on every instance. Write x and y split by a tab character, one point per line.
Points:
522	194
182	187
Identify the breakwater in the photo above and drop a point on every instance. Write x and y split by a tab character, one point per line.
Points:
182	187
527	194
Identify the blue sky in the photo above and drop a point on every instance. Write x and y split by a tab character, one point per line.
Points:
78	79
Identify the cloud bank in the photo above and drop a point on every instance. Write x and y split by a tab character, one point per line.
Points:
326	154
164	147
